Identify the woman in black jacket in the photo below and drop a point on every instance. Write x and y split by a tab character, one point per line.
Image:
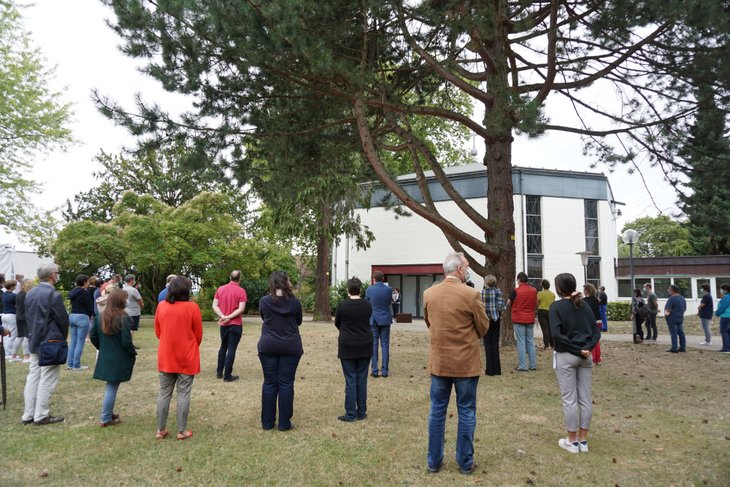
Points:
280	349
354	349
573	326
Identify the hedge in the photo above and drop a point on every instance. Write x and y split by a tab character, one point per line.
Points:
619	311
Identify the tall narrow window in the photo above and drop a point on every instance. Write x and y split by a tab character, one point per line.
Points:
533	223
591	223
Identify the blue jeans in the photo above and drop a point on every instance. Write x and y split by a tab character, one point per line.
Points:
466	404
676	329
381	333
725	334
706	323
230	336
525	335
78	329
603	309
279	374
356	386
107	405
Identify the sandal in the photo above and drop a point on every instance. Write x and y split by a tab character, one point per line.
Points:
185	435
161	435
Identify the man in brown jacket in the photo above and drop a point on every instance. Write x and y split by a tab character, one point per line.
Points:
456	320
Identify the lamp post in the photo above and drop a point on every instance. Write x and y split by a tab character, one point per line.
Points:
474	151
630	237
584	262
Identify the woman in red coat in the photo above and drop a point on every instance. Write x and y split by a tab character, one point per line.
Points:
179	327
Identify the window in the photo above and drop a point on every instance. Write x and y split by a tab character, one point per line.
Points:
624	286
534	270
685	286
534	225
701	281
661	284
593	271
590	214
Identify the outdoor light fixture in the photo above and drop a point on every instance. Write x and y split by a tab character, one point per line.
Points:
584	262
630	237
474	151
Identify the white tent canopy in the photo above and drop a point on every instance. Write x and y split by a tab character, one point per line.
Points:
14	262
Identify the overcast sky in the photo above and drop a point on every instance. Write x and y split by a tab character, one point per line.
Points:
73	37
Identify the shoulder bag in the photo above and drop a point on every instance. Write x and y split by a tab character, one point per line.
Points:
52	352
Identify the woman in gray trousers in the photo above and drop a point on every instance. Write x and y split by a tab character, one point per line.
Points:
573	327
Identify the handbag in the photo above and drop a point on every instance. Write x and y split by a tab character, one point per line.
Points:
52	352
643	312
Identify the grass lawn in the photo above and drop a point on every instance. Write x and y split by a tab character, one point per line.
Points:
659	419
692	326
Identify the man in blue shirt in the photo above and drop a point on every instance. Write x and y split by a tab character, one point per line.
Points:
380	297
674	313
163	294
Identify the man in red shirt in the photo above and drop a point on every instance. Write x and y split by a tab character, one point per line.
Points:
229	303
523	301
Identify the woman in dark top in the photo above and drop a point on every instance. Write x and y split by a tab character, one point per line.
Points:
111	335
354	349
9	319
280	348
637	303
82	310
573	327
589	291
22	323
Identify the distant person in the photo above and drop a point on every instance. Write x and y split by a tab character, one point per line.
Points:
589	291
112	336
91	289
19	278
723	311
280	349
544	299
523	301
652	304
456	320
134	302
82	309
574	330
380	297
494	306
396	301
603	307
674	313
96	295
9	321
229	303
47	320
22	323
115	281
179	327
638	314
163	293
354	349
705	310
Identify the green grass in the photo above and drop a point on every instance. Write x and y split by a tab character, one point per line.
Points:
659	419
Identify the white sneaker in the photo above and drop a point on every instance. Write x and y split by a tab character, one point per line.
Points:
583	446
15	359
26	360
82	367
704	342
567	445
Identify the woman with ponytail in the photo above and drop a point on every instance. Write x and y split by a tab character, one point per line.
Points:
573	327
112	337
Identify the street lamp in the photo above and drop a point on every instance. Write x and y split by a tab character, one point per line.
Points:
630	237
474	151
584	262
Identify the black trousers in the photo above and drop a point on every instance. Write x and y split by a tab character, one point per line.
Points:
651	330
230	336
543	317
491	348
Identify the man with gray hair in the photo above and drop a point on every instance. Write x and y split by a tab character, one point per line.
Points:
47	320
456	319
163	294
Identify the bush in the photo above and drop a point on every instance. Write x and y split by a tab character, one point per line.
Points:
619	311
338	294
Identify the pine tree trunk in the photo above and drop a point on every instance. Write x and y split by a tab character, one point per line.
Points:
322	311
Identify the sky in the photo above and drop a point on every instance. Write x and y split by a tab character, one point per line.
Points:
73	37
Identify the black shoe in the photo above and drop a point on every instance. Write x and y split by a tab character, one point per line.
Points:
374	375
672	351
468	471
360	418
384	375
230	379
291	427
346	419
26	422
218	376
435	469
48	420
682	350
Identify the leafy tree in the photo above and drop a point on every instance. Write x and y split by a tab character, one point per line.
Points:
32	122
392	63
165	174
199	239
659	236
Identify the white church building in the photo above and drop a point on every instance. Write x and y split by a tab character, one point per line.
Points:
557	215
